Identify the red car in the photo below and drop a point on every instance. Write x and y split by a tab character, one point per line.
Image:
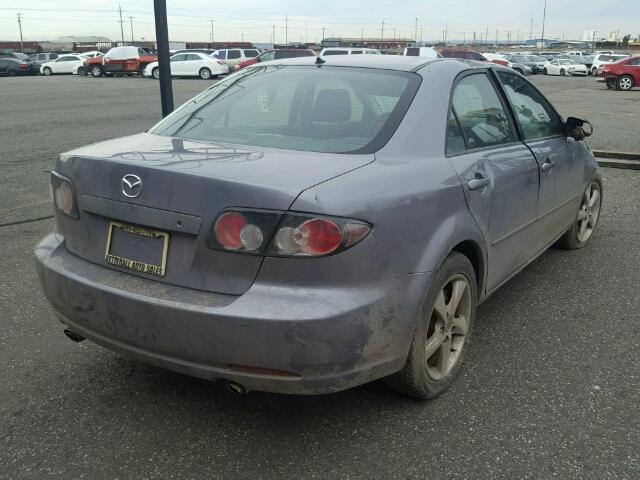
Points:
276	55
120	61
463	53
622	75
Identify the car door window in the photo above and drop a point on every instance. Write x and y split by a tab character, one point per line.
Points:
482	117
455	140
178	58
190	57
535	115
233	54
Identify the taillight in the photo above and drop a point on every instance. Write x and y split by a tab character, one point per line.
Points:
24	66
284	234
221	63
63	197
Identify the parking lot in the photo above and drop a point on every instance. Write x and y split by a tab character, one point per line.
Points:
550	387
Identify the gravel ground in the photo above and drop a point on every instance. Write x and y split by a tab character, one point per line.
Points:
550	388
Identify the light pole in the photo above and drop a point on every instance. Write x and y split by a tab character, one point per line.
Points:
212	37
322	41
415	31
544	19
273	34
162	41
286	30
131	24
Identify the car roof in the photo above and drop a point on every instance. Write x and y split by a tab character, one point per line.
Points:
387	62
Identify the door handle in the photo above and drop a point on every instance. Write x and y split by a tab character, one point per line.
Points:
547	165
478	183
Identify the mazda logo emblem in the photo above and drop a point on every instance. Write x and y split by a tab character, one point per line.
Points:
131	185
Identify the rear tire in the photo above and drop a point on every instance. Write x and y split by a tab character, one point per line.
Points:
562	73
205	73
155	73
625	83
545	71
437	349
96	71
82	71
47	71
586	219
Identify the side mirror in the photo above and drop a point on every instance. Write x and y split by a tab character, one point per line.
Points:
576	128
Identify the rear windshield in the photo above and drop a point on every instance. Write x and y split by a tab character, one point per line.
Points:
326	109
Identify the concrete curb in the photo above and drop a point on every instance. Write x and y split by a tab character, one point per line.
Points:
616	155
619	163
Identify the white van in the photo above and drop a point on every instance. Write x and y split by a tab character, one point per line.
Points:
349	51
426	52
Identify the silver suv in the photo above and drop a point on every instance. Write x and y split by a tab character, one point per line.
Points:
235	56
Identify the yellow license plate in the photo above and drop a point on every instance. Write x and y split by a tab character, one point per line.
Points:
137	248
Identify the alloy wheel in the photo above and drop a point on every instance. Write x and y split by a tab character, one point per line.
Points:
589	212
625	83
448	327
205	74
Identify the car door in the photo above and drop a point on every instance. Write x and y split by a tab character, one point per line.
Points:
234	57
559	157
4	67
499	174
64	64
177	64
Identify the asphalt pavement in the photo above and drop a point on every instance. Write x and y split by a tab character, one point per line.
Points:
550	387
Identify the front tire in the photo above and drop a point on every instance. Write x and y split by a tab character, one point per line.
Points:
96	71
437	349
204	73
625	83
82	72
586	219
562	73
47	71
545	71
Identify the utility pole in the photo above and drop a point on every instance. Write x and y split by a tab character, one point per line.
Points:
131	24
446	32
415	32
273	34
464	38
20	28
544	19
486	36
322	41
121	23
212	37
394	34
362	34
474	38
531	30
421	37
162	41
497	31
593	43
286	29
382	29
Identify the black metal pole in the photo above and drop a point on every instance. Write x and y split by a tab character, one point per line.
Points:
162	41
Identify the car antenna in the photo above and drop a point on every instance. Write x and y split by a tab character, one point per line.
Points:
320	60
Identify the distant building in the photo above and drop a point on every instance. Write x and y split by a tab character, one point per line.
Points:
379	43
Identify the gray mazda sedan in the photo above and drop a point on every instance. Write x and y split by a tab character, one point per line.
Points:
309	225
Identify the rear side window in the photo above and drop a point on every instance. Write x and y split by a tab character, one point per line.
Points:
482	118
535	115
475	56
356	52
455	140
233	54
329	109
304	53
221	55
413	52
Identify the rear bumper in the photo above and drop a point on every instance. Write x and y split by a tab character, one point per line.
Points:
330	338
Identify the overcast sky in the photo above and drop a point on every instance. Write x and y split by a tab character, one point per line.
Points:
253	19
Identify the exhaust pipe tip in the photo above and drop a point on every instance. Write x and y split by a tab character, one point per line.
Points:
73	336
235	388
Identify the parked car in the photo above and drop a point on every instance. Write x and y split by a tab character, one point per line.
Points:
349	51
235	56
15	55
206	51
425	52
604	59
38	59
497	59
586	60
463	53
63	64
535	63
521	68
298	232
13	66
278	54
564	66
623	74
190	65
92	53
120	61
